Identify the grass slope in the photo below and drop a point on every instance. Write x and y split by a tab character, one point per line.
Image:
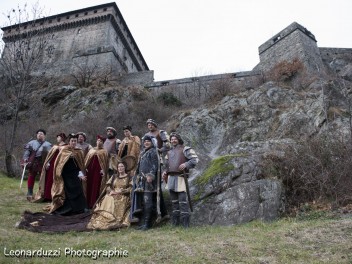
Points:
309	240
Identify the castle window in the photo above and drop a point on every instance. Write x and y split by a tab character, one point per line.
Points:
95	11
50	51
68	17
277	38
41	23
76	15
105	9
59	19
25	27
50	21
85	13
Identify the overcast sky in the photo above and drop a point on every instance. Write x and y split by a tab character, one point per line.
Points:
187	38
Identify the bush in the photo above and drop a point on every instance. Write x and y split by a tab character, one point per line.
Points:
317	170
285	71
169	99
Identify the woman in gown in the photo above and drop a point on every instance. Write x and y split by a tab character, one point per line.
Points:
67	192
113	210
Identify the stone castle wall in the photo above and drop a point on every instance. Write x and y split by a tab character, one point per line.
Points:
293	42
330	54
202	88
96	35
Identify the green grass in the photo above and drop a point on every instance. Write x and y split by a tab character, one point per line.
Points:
311	240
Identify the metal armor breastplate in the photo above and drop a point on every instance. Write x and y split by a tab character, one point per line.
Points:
176	158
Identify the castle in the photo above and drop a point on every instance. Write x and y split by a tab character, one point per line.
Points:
100	35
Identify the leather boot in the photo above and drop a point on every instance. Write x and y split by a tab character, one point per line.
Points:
185	221
30	194
175	219
147	224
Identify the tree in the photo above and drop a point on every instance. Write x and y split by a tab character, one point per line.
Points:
25	41
87	72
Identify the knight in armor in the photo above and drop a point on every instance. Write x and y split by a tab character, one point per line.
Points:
162	141
146	181
35	152
178	161
111	145
161	136
82	144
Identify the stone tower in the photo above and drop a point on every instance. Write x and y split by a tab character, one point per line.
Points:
95	35
294	41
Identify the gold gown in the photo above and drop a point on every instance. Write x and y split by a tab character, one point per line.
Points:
114	210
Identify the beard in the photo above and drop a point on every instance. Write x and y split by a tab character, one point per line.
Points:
110	136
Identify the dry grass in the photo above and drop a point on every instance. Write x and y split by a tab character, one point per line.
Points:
316	240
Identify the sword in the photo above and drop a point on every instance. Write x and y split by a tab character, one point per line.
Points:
158	220
24	170
187	190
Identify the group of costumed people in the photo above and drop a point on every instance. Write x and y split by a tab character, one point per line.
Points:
110	186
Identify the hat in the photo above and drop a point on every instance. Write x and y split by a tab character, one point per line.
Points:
101	138
112	129
83	134
62	135
127	128
174	134
147	138
41	130
152	121
72	135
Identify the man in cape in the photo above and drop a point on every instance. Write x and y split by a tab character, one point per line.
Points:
47	175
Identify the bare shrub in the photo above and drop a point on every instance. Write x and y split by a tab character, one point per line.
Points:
285	71
88	72
317	170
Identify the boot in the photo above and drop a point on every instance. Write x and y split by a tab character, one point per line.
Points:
185	221
147	224
175	219
30	194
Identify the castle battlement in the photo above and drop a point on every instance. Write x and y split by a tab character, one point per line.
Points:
283	34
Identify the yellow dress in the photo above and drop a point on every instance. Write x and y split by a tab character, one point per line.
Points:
114	210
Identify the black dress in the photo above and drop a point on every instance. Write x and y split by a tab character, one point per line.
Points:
75	201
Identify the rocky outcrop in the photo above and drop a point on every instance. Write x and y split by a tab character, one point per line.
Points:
234	136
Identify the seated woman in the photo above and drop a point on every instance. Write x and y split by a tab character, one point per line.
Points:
114	209
67	192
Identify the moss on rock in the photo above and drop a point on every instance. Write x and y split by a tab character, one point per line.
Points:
217	166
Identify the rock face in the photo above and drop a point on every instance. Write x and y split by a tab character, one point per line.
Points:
235	135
